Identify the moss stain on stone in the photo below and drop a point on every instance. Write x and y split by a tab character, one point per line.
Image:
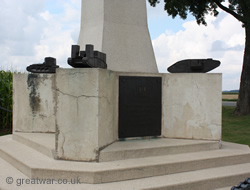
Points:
33	82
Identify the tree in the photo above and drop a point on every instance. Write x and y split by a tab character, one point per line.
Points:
239	9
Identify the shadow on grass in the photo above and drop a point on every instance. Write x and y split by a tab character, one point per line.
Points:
5	131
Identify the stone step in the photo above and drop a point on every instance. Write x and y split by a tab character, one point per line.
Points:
41	142
141	148
209	179
36	165
122	150
225	188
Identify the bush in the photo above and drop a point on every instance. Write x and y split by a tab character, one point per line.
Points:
5	102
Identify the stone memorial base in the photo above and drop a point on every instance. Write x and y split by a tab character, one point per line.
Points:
65	130
81	107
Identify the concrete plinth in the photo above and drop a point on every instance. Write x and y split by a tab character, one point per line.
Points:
81	106
85	114
34	103
119	29
192	106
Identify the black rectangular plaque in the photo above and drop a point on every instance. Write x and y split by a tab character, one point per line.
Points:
139	106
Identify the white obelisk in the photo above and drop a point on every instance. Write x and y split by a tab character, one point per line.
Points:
119	28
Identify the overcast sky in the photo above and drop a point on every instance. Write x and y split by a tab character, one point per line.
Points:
33	29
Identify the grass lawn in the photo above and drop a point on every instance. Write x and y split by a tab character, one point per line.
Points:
235	128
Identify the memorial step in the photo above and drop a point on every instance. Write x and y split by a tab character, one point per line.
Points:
226	188
122	150
41	142
226	161
141	148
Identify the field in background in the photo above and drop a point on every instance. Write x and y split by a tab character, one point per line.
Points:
229	97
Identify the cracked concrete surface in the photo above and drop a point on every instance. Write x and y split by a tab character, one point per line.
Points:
85	107
83	104
83	96
33	102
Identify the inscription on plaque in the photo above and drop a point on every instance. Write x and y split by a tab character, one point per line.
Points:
139	106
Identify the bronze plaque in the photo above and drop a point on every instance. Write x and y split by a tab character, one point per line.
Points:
139	106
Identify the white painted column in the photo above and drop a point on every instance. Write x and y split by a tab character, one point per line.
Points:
119	28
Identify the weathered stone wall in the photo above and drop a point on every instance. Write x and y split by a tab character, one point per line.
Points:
81	106
86	102
192	106
34	102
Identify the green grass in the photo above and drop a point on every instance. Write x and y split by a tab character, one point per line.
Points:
235	128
